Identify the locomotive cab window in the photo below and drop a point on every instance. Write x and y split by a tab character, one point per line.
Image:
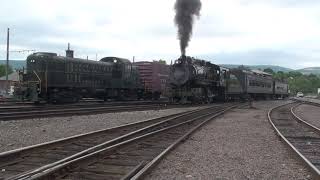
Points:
224	73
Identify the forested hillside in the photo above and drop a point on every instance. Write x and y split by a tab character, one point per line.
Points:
308	84
15	64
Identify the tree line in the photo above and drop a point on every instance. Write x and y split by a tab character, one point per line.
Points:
3	70
298	82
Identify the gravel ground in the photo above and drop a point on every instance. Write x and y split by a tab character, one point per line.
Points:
309	113
308	99
21	133
240	145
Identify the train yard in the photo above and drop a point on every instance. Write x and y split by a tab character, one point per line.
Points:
68	117
66	151
148	147
101	140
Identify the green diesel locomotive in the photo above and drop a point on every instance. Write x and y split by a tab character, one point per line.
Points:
52	78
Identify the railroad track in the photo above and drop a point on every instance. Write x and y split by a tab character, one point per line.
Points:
17	107
302	137
124	152
24	113
307	102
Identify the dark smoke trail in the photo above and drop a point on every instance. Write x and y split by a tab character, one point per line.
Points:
186	10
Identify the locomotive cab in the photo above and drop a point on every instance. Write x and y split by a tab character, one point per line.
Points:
35	78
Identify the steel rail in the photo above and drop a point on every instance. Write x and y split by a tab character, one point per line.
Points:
74	108
303	158
307	102
13	107
142	126
22	150
81	102
7	113
157	159
53	169
124	143
90	150
303	121
77	111
43	171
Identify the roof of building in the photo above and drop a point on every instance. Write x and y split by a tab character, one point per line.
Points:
11	77
261	72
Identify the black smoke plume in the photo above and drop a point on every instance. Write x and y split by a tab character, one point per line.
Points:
186	11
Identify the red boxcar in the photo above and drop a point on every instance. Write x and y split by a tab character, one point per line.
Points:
154	76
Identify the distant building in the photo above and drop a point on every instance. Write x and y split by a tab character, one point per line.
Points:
261	72
12	79
154	75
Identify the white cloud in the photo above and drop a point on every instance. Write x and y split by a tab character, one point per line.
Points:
145	28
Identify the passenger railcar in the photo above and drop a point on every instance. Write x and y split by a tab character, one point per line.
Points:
245	83
281	88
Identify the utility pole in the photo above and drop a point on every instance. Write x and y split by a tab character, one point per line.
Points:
132	64
7	65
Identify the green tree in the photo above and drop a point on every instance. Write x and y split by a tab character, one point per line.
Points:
162	61
295	74
280	75
299	82
3	70
268	70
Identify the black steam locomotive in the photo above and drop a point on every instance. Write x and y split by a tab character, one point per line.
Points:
194	80
66	79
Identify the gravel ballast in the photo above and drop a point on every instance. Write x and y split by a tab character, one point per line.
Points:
20	133
239	145
309	113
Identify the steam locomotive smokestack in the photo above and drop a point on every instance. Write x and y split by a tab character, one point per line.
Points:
186	11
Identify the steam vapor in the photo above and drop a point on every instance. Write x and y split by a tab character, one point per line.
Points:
186	11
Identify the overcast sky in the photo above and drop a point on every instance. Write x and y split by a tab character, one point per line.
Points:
277	32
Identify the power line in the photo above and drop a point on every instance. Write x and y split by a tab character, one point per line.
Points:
23	50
